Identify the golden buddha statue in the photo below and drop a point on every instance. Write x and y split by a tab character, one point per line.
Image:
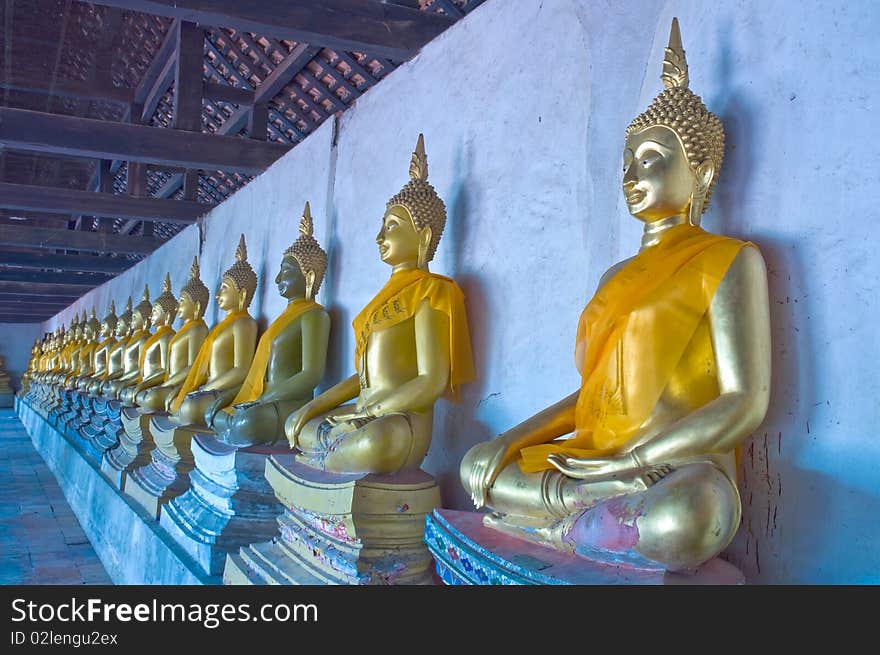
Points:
412	345
76	347
139	333
153	354
291	355
69	343
674	356
157	393
116	352
226	355
28	375
86	354
106	340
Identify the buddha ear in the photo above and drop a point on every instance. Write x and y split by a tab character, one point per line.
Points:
310	284
425	235
705	171
705	174
242	300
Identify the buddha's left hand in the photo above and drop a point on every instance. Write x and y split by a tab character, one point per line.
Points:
601	468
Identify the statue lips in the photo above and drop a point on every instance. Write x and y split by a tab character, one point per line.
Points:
635	196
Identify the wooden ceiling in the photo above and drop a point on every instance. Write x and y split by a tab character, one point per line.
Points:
123	121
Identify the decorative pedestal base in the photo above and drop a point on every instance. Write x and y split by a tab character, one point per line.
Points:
229	504
165	476
469	553
341	529
133	450
102	432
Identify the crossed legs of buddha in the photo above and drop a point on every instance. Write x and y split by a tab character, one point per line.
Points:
677	521
384	444
256	424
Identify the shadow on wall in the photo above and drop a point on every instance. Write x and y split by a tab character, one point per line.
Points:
767	471
456	428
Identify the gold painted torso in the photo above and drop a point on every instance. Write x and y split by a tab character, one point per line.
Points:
693	384
115	358
182	352
154	362
285	355
133	353
389	361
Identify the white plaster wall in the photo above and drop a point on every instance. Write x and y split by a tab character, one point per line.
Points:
267	211
16	341
524	109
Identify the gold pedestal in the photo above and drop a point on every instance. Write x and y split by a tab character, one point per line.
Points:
341	529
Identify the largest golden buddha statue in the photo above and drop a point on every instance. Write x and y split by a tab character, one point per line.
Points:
673	350
412	345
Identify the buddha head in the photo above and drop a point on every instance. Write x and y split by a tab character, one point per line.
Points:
238	284
108	324
673	150
414	218
140	317
92	327
123	322
303	264
165	306
193	296
78	328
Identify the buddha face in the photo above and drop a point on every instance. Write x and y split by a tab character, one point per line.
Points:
122	325
186	308
398	239
229	297
658	181
290	279
157	314
106	329
137	321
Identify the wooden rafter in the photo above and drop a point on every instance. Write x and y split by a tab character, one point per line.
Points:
66	201
38	132
81	263
47	238
367	25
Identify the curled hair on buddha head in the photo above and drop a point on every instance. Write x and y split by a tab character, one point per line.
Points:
421	201
308	253
195	289
145	307
700	131
166	299
125	316
241	274
110	318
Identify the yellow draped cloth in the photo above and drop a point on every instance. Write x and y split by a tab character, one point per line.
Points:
633	334
158	334
252	387
198	374
398	300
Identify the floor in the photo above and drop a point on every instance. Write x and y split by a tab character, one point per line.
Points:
41	541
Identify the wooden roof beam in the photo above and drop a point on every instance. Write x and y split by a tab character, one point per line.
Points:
64	239
371	26
84	137
80	263
69	89
72	201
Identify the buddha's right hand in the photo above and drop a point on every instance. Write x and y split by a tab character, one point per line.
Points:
297	421
481	466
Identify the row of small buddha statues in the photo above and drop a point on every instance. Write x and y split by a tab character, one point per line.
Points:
672	352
